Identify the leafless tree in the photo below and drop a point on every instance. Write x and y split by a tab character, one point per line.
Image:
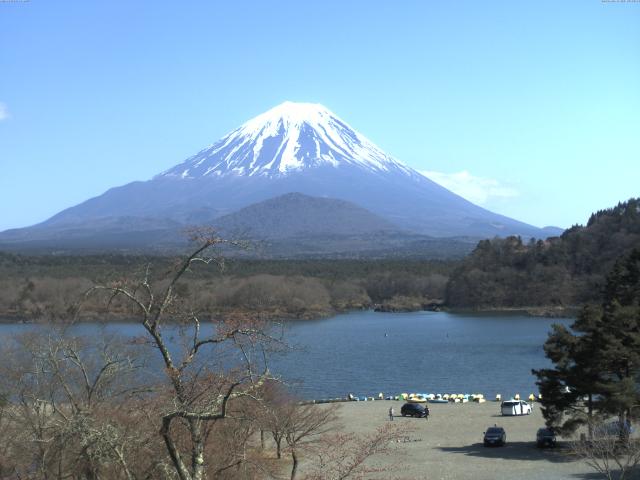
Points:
294	427
606	452
304	429
217	363
345	455
8	464
65	394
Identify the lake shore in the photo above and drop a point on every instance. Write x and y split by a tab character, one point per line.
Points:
449	446
315	314
549	311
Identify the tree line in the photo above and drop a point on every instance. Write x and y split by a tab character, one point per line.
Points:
43	287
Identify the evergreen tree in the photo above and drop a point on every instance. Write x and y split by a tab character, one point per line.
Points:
597	362
571	391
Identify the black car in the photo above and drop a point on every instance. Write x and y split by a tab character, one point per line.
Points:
545	437
495	436
413	410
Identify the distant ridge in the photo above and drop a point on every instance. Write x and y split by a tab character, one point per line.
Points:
298	215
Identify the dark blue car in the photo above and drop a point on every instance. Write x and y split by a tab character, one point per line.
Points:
545	437
414	410
495	437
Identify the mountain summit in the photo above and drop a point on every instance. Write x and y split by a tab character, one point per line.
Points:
286	139
294	147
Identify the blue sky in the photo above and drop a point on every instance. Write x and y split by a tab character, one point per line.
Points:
531	109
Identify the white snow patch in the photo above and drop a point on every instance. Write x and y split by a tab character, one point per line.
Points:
303	130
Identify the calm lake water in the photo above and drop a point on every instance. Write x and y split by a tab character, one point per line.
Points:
365	353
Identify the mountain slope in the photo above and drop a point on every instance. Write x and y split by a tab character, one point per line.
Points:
291	148
298	215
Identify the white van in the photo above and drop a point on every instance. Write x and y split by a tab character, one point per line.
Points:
515	407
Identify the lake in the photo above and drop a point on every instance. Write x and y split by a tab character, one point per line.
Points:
367	352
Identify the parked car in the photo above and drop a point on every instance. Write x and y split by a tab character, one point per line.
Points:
515	407
495	436
413	410
545	437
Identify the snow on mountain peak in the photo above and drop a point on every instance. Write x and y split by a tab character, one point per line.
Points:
292	113
289	137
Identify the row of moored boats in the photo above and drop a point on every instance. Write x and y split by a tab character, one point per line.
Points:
439	397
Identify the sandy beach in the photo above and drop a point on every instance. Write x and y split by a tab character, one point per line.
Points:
449	444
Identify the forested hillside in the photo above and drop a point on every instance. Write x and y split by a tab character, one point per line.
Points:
561	271
46	286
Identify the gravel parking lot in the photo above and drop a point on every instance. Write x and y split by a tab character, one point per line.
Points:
449	444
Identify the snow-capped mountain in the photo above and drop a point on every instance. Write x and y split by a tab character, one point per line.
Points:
286	139
294	147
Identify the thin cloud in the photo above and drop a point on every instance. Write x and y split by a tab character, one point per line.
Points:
4	112
475	189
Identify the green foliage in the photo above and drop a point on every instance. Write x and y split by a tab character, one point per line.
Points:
566	271
600	358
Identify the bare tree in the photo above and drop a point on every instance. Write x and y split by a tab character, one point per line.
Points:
219	361
293	426
304	427
8	464
273	414
341	456
607	451
65	393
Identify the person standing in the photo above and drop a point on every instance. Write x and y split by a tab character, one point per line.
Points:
391	412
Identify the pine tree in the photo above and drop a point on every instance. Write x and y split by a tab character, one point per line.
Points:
597	362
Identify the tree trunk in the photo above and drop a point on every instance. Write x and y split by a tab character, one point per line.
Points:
123	463
262	439
590	416
197	449
623	432
294	467
178	464
278	448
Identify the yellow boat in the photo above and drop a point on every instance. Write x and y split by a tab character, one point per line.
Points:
416	399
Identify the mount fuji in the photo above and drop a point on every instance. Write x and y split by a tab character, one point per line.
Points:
294	147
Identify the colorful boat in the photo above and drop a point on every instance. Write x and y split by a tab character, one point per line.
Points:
416	399
438	399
